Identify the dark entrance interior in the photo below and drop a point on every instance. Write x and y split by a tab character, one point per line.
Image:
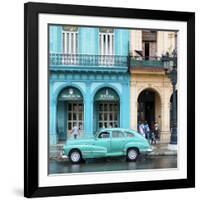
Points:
146	49
146	107
149	44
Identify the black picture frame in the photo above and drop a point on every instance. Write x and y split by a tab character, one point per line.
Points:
31	12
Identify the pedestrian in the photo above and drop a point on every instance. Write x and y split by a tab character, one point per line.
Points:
152	133
110	125
157	130
147	131
153	138
75	131
138	126
141	129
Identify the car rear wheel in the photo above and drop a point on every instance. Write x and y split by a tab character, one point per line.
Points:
75	156
132	154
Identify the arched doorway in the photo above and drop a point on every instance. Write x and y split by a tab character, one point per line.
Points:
107	109
70	112
149	107
171	99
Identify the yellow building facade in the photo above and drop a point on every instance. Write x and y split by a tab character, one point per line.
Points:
150	86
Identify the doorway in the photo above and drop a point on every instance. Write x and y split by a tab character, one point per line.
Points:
149	107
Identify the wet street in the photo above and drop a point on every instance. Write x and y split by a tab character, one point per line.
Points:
113	164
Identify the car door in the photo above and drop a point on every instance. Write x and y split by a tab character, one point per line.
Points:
118	141
103	140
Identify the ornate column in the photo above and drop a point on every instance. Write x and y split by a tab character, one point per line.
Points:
125	106
52	118
133	105
165	117
88	111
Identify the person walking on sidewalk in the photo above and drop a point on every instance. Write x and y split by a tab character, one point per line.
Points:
147	131
157	131
141	129
152	137
75	131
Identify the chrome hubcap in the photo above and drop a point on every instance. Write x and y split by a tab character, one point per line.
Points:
132	154
75	156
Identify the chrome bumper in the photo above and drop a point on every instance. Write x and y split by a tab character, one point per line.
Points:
149	150
62	155
146	150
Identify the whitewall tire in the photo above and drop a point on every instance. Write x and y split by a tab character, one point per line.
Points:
132	154
75	156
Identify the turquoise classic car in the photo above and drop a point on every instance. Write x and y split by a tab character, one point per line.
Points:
107	143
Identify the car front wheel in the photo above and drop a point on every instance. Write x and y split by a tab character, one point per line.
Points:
132	154
75	156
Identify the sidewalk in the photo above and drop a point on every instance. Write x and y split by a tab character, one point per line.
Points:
162	150
158	150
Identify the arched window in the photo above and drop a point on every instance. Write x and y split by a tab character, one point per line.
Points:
107	109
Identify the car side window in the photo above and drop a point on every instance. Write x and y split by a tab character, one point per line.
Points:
104	135
117	134
129	134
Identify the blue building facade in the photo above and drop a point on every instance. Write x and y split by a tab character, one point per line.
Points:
89	83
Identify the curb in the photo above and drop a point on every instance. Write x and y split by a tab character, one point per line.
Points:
57	157
164	153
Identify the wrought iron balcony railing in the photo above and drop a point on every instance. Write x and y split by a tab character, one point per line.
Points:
151	62
56	59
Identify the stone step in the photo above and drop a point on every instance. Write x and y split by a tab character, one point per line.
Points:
55	150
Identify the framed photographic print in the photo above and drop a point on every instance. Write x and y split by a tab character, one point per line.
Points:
109	99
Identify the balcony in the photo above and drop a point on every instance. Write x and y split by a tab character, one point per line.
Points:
151	62
87	62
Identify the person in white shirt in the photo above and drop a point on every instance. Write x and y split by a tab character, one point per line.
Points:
157	129
75	131
141	129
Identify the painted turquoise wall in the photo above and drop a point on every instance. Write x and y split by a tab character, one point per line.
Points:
121	42
86	80
55	37
61	120
52	115
88	41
